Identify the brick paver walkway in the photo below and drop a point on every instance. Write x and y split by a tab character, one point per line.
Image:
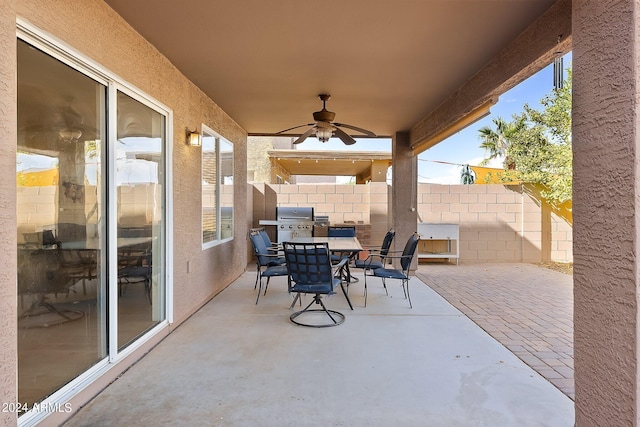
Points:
529	309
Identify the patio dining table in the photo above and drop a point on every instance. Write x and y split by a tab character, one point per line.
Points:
336	244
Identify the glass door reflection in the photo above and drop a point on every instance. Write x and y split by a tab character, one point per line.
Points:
140	212
60	211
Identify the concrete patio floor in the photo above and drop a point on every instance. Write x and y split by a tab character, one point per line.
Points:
234	363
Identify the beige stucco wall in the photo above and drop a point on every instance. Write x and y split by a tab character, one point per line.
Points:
93	29
606	120
8	259
258	163
404	212
498	223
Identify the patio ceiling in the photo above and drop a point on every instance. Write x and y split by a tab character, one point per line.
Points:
388	64
347	163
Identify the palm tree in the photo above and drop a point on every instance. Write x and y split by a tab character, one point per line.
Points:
496	142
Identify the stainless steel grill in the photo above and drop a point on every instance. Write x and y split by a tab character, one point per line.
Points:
292	222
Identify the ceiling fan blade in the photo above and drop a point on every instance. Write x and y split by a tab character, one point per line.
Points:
364	131
295	127
344	137
305	135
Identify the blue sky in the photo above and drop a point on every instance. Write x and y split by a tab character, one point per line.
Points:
462	147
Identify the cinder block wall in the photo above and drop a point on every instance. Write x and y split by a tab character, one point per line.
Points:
497	223
342	203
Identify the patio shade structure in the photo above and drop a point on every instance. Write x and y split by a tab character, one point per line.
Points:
414	71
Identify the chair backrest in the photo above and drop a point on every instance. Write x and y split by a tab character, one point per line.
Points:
308	263
42	271
386	244
341	232
409	251
265	237
259	248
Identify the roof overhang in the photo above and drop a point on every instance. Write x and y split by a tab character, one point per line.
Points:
414	66
328	163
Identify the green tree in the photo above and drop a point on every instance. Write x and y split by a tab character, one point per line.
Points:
537	144
496	140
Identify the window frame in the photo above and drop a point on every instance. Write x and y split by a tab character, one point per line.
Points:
218	239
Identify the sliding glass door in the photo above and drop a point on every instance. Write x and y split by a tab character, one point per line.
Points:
61	229
91	189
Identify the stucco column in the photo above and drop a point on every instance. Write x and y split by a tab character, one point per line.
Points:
606	202
403	189
8	290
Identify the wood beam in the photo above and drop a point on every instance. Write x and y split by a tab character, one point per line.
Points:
535	48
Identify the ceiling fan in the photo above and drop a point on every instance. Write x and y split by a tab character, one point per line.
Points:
324	126
62	123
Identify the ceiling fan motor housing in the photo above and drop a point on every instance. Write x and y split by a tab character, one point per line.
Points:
324	116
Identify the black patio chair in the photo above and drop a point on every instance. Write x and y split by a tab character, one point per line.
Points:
135	267
310	272
401	273
41	273
336	257
377	255
271	247
267	264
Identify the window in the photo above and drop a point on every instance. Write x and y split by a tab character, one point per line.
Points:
217	188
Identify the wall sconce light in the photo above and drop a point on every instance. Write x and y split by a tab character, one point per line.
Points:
193	138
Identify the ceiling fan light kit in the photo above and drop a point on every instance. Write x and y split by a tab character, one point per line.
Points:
324	127
70	135
324	131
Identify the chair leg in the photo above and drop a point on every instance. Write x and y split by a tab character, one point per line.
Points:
336	317
297	298
147	288
318	300
259	290
406	282
266	285
345	294
365	288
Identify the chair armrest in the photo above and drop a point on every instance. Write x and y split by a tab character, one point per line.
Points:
399	256
270	255
399	251
372	249
372	255
390	259
340	265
